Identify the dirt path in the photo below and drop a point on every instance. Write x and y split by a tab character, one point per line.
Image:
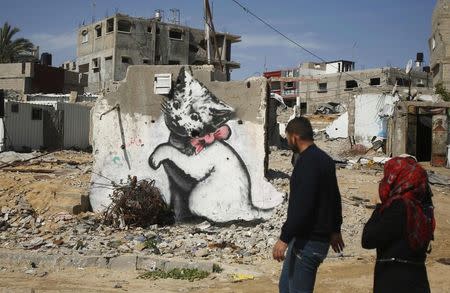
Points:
341	276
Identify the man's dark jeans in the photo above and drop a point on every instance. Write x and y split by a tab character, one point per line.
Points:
300	266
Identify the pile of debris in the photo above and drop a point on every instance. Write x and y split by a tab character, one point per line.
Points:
137	204
24	227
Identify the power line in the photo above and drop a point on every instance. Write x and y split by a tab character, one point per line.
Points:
294	42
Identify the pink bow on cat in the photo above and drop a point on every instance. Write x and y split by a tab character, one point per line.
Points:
199	143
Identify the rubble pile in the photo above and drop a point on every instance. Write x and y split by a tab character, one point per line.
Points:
137	204
21	227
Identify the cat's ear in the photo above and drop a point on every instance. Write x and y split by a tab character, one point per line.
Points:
221	110
180	84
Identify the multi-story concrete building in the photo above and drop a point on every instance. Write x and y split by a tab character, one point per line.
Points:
106	48
320	83
439	44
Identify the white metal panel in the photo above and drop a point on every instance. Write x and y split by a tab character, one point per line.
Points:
2	135
21	130
76	125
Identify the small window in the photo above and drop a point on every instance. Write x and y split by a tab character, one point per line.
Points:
124	26
174	62
275	85
157	30
36	114
83	68
402	81
146	61
14	108
108	58
350	84
323	87
95	63
176	34
289	84
110	25
98	31
126	60
84	36
149	29
375	81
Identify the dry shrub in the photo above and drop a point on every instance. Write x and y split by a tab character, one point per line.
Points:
138	203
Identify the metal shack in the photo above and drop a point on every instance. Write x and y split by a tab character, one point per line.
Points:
34	126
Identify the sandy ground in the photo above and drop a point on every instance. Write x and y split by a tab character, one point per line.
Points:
347	275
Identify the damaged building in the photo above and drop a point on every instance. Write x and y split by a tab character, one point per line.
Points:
439	44
32	77
107	47
336	83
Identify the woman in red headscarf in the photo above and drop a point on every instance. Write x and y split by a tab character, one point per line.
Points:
401	228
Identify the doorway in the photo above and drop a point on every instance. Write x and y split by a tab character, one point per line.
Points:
424	137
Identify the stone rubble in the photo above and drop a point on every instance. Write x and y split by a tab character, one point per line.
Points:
63	233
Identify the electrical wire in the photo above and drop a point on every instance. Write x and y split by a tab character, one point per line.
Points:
296	43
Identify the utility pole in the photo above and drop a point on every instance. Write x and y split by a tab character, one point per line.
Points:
93	11
207	31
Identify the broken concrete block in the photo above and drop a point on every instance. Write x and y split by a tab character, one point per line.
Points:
123	262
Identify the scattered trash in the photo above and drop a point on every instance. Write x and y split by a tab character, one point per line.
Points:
138	203
330	108
222	245
438	179
339	127
242	277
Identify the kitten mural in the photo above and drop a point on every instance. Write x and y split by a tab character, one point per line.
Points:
207	177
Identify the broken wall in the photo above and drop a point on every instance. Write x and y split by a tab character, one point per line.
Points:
371	117
204	144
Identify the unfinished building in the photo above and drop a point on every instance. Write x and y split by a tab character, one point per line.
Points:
106	48
337	82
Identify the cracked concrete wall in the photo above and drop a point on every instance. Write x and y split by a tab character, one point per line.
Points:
207	153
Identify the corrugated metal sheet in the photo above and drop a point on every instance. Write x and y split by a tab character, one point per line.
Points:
22	130
76	125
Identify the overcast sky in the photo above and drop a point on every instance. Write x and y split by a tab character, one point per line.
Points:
372	33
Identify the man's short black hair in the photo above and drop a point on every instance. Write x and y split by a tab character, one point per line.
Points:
302	127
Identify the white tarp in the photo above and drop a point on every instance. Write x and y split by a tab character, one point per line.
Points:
339	127
371	114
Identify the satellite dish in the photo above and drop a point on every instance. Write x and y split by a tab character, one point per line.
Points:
409	66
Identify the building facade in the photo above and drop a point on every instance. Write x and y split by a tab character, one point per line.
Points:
106	48
30	77
439	44
316	84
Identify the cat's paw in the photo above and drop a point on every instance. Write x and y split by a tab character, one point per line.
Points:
153	163
156	158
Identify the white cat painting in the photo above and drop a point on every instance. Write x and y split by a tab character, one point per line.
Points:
207	177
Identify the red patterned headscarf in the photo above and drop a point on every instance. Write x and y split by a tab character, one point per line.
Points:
404	179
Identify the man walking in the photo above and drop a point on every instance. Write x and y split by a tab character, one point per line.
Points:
314	215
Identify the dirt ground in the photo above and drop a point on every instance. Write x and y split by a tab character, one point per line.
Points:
335	275
343	276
